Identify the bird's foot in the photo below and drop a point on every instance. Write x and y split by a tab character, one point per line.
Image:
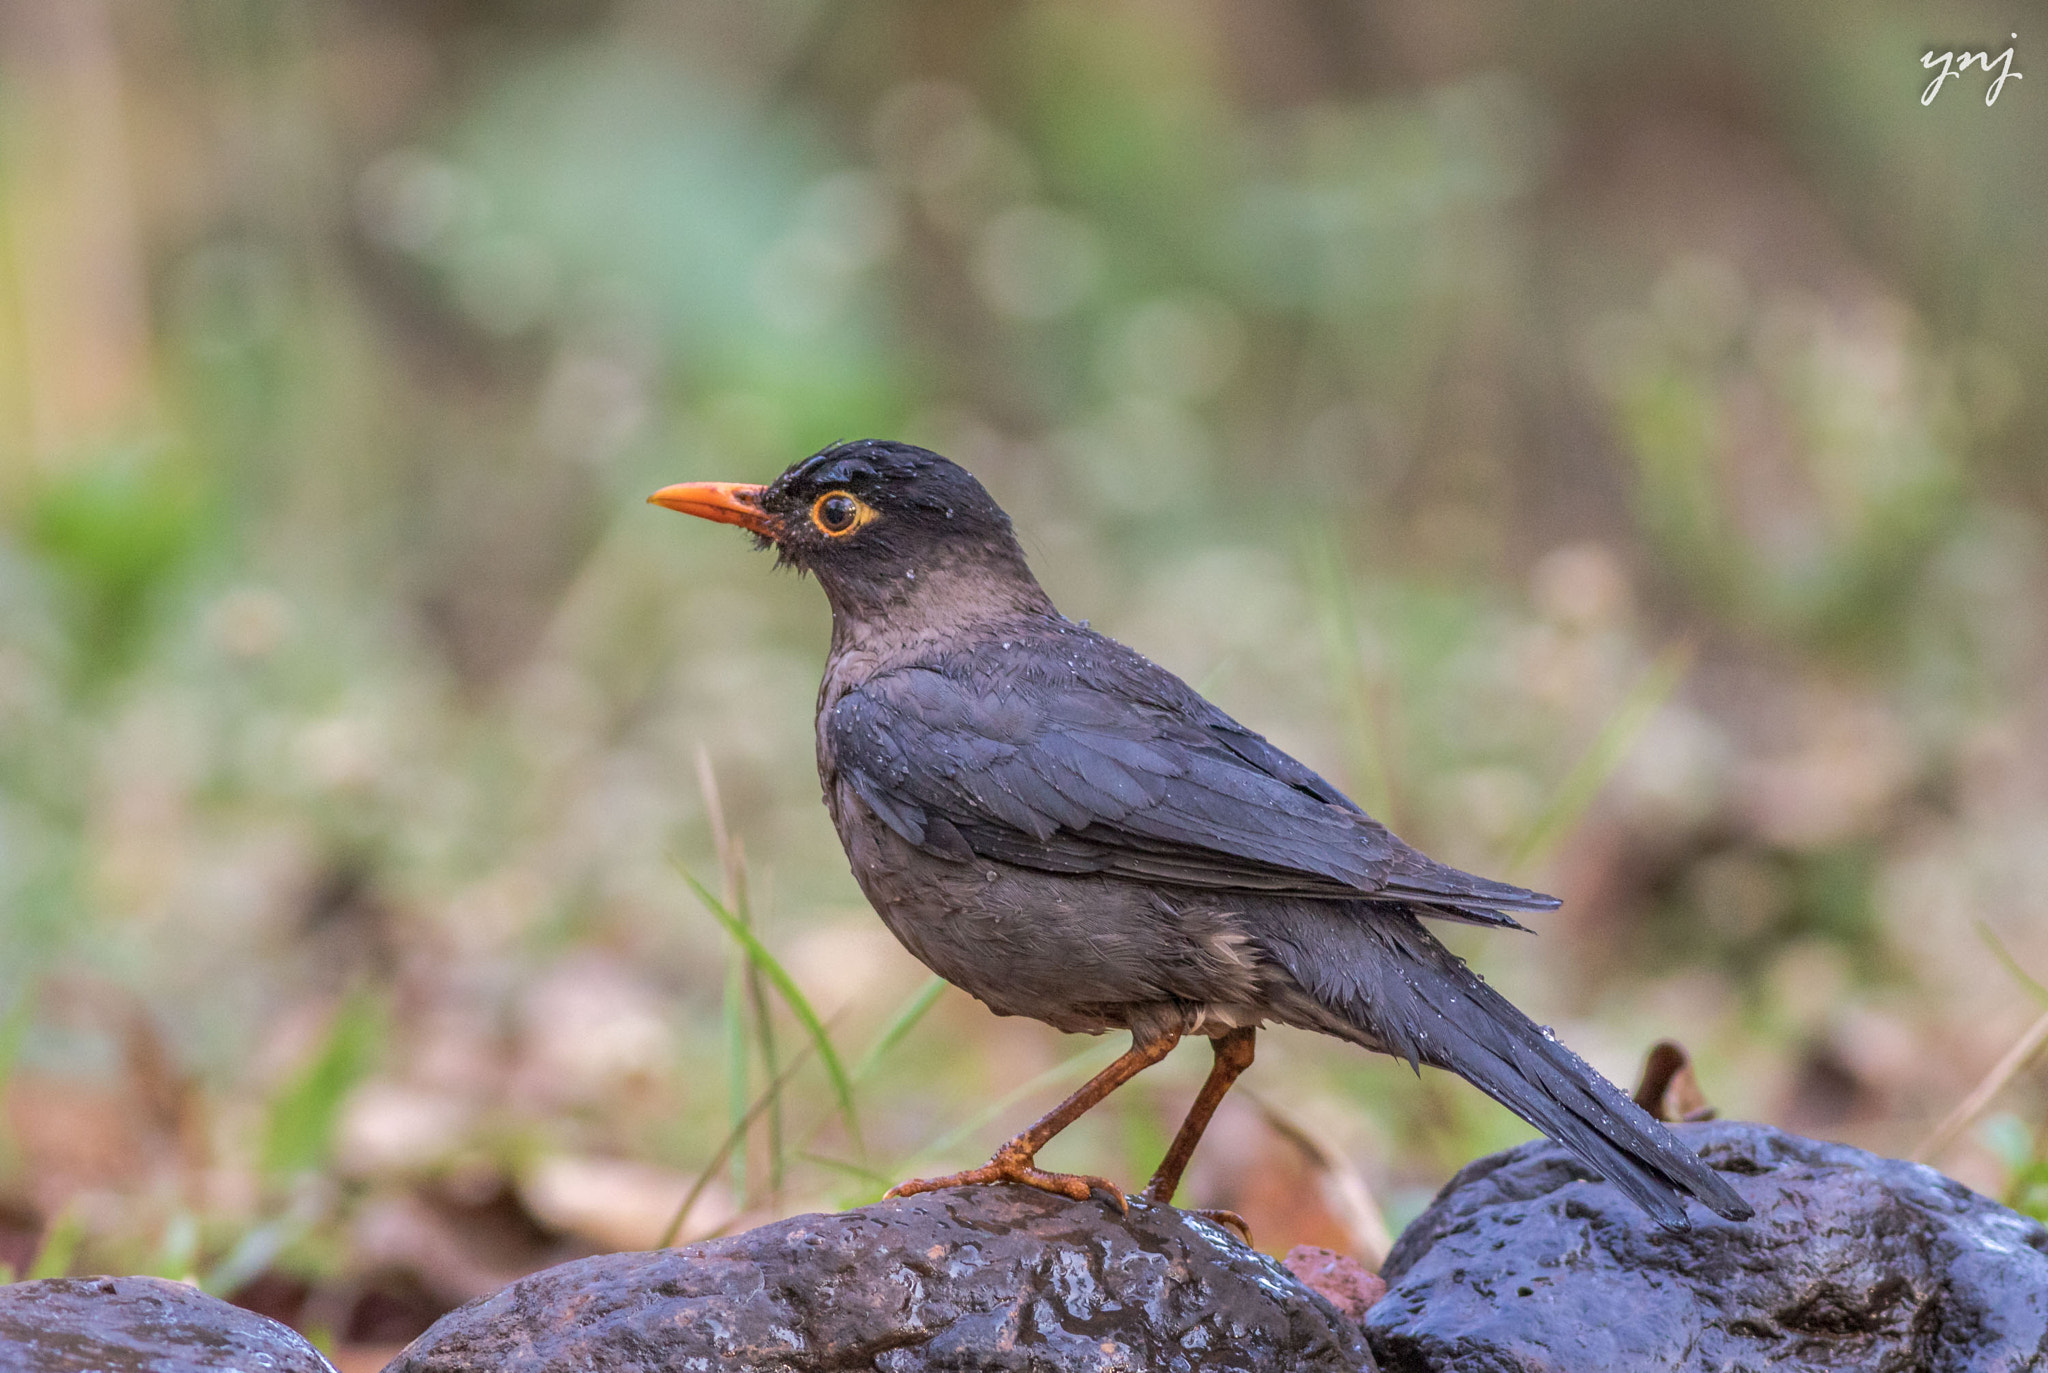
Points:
1160	1193
1228	1218
1014	1165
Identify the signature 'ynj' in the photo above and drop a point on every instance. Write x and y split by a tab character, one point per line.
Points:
1068	831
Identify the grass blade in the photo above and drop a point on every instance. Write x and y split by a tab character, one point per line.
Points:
1349	1194
1091	1059
764	1031
738	1079
253	1253
792	997
1999	952
14	1028
900	1025
769	1094
178	1248
721	837
1609	750
736	896
1985	1092
54	1261
260	1246
764	1039
299	1133
867	1176
2008	1067
732	863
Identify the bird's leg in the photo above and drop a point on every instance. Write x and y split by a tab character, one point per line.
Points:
1233	1056
1015	1161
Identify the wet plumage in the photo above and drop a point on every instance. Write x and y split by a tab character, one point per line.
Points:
1068	831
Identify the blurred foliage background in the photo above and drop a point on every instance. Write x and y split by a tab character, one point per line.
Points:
1606	440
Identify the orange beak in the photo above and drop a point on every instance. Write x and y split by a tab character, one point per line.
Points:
725	502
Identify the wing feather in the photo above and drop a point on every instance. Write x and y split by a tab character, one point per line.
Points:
1096	760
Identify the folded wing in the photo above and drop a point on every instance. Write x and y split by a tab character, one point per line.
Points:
1092	759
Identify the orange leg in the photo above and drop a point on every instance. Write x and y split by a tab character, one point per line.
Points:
1014	1162
1233	1056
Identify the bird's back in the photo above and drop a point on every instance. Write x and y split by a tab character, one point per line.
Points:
1038	741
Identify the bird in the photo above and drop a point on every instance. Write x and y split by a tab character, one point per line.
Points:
1067	831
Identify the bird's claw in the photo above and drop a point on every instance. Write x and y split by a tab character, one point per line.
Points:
1230	1219
1017	1167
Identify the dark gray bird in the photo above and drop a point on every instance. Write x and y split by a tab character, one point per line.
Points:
1069	832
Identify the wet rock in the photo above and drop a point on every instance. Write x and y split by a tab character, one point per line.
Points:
1853	1262
968	1278
143	1325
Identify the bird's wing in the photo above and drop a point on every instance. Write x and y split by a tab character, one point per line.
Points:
1081	756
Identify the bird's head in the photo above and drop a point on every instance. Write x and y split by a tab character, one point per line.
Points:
888	529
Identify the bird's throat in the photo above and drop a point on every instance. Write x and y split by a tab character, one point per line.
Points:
927	600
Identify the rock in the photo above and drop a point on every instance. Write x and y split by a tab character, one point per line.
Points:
968	1278
1853	1262
1351	1287
147	1325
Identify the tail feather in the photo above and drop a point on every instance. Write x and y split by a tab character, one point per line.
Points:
1390	985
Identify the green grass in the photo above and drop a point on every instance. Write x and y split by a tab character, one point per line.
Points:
758	956
60	1246
893	1033
14	1028
311	557
298	1136
759	1106
1076	1067
899	1026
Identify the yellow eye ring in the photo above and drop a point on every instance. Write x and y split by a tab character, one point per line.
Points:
838	513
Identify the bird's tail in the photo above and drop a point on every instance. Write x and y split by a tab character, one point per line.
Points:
1393	987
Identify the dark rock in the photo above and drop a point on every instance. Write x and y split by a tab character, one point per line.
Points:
140	1325
968	1279
1853	1262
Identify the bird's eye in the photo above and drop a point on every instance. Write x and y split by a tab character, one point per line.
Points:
838	513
